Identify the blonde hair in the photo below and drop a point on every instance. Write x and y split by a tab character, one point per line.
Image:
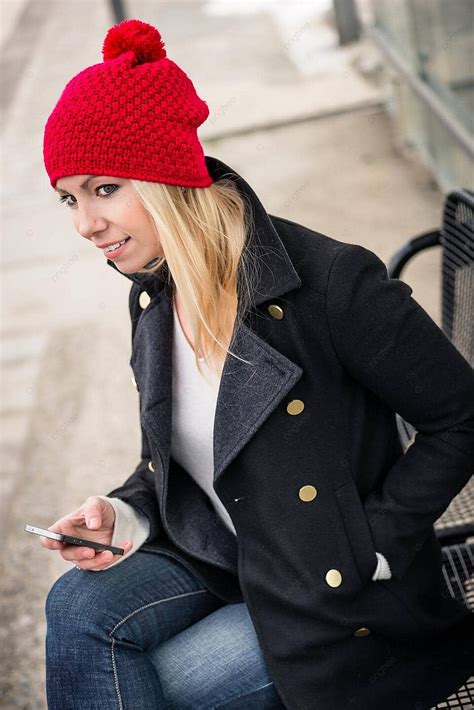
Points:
203	232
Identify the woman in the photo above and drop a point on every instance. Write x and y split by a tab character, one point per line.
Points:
279	546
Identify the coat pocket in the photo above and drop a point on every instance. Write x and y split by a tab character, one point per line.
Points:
357	530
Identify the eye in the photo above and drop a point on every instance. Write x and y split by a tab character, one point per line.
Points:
64	198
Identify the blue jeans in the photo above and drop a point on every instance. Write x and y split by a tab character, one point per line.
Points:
145	635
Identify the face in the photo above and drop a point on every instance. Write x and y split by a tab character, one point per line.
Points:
106	210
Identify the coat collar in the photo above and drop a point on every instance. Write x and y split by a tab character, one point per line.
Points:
276	273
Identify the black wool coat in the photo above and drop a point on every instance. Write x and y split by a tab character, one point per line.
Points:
308	463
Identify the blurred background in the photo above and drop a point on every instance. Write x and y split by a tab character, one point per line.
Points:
352	118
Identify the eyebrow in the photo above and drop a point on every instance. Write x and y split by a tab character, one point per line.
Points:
83	186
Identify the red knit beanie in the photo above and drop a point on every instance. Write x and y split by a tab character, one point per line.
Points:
134	115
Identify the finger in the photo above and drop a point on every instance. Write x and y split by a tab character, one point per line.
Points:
65	526
99	561
73	519
103	559
47	542
86	555
93	516
51	544
76	553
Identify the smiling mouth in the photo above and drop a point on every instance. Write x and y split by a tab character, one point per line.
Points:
115	247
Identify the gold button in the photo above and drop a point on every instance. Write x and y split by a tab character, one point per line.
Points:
144	299
296	406
275	311
134	382
333	578
150	465
307	493
362	631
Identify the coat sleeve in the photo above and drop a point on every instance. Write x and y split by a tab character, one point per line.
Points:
390	344
139	489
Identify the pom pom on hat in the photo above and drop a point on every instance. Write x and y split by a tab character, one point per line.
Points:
137	36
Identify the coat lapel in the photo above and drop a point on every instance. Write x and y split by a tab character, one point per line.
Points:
251	387
248	394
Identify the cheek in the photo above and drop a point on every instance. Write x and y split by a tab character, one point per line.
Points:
134	221
147	233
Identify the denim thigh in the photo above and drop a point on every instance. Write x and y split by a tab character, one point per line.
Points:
215	664
101	626
145	635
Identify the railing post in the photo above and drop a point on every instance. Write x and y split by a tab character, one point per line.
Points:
118	10
347	20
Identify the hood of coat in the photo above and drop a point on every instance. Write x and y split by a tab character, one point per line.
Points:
276	272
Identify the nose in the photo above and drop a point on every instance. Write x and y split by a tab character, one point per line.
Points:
89	222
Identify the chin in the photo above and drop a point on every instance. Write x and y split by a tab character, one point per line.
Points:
129	268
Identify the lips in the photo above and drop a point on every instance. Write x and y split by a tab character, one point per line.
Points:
115	253
105	246
116	245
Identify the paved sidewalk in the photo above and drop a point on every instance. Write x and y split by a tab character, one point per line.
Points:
294	115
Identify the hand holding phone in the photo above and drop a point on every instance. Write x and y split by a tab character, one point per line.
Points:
91	526
72	540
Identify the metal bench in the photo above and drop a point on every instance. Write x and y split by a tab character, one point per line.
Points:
455	528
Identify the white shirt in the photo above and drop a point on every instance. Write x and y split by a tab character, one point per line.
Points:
192	420
192	424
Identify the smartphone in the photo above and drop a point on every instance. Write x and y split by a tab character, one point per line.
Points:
71	540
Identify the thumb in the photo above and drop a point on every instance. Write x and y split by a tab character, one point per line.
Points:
93	518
